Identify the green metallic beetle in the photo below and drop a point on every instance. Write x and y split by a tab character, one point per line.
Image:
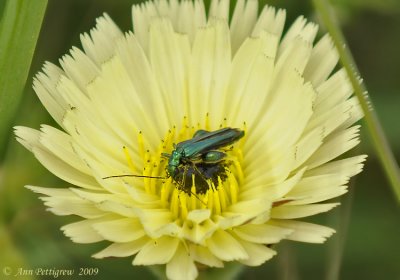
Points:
197	156
202	148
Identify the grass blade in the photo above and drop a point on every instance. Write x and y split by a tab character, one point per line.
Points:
19	31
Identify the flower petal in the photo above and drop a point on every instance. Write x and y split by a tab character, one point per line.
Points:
243	20
122	249
248	87
347	167
157	251
323	59
190	17
138	67
300	28
79	68
209	72
304	232
100	45
198	233
271	192
335	145
300	211
219	9
202	254
224	246
318	188
120	230
262	233
83	232
60	144
45	86
65	202
181	266
27	136
167	53
258	254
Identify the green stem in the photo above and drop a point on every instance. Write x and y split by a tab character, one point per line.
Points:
374	128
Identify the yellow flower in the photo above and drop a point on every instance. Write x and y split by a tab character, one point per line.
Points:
126	99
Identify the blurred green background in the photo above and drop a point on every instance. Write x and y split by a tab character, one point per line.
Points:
367	245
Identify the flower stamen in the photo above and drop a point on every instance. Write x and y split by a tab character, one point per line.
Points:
196	185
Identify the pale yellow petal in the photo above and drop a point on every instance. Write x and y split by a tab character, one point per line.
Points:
190	17
61	145
271	21
45	86
27	136
307	145
272	192
119	208
224	246
104	150
318	188
209	72
64	171
83	232
167	53
122	249
141	16
158	222
243	20
258	254
129	116
157	251
100	45
262	233
304	232
199	215
244	212
300	211
120	230
299	29
333	91
250	79
181	266
322	61
79	68
203	255
198	232
347	167
65	202
334	146
219	9
335	118
139	70
294	57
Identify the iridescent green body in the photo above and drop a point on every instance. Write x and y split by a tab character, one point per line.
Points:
202	148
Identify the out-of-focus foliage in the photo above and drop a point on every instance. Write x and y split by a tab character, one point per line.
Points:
31	236
381	6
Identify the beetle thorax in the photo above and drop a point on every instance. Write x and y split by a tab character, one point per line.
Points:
173	162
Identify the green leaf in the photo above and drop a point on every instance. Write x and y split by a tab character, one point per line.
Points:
19	31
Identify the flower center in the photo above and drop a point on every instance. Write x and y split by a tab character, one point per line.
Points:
194	182
202	176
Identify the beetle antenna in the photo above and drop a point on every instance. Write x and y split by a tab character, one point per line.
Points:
131	175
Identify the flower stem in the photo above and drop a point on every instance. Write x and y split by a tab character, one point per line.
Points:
374	128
